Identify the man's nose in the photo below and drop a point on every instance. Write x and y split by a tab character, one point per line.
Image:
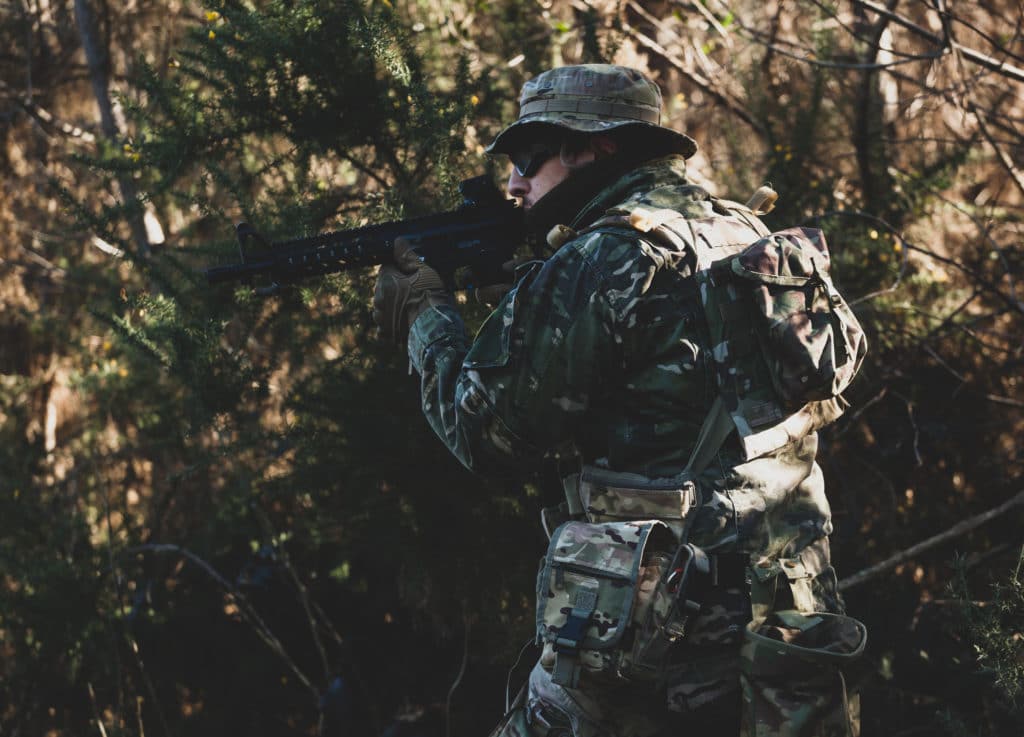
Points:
517	186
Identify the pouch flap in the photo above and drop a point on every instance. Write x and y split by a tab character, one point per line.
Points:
788	258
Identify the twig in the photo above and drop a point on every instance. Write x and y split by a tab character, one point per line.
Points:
852	418
913	423
955	531
1016	176
458	678
138	716
303	592
96	58
1009	300
975	56
705	84
45	116
96	710
247	610
1004	400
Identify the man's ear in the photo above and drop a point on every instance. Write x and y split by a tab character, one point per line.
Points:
603	145
597	146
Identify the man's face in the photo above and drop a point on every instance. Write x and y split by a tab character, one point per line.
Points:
537	168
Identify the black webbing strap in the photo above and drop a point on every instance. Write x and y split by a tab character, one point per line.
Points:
570	637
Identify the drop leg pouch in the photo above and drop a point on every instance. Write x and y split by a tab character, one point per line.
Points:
793	676
600	598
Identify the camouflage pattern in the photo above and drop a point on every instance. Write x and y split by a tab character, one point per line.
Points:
550	710
810	334
785	343
603	353
793	678
607	496
591	98
617	569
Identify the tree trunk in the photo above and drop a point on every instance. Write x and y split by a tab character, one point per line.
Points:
96	58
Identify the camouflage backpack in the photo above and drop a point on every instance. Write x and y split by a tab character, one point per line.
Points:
785	342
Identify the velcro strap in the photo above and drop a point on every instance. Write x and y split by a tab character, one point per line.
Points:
571	634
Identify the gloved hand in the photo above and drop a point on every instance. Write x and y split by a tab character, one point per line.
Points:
404	290
492	294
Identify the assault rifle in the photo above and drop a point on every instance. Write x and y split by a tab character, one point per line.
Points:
480	235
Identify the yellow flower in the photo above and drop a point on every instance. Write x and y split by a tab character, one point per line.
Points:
873	234
474	100
211	35
212	15
897	247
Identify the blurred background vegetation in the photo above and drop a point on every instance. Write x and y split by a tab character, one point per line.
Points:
221	514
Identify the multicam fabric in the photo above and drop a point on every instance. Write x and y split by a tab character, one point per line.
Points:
793	679
603	353
611	575
606	496
591	98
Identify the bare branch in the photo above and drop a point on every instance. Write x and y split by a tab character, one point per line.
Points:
918	461
94	55
300	587
696	78
974	56
955	531
244	607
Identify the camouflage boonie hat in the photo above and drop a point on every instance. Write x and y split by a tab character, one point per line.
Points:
591	98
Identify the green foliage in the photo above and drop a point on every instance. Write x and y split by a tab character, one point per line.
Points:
992	630
244	473
223	472
995	631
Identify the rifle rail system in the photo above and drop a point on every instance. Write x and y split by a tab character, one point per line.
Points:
481	235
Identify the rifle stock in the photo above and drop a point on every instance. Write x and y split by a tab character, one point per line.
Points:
481	234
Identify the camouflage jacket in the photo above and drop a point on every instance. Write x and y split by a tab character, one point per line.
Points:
602	351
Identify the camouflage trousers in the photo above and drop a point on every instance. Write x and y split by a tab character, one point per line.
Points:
545	709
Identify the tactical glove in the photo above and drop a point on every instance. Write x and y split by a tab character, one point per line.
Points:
492	294
404	291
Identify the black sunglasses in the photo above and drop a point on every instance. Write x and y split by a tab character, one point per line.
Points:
528	159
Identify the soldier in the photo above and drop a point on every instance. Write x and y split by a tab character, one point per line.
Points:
604	353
